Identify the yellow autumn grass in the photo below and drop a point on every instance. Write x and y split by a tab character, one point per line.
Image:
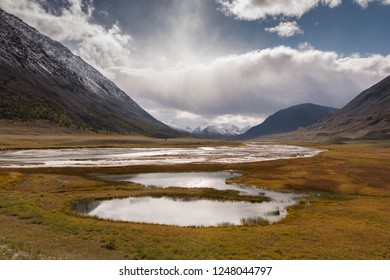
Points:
344	215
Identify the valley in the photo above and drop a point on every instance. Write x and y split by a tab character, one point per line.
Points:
344	213
244	167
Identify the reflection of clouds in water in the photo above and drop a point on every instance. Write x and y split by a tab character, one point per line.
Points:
193	212
215	180
178	212
141	156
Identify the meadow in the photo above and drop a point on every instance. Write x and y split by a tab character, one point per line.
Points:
344	215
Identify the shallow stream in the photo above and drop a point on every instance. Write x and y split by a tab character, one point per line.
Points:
105	157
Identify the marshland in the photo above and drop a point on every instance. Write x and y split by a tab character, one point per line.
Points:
341	210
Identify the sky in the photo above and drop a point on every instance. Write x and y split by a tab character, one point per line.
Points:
223	61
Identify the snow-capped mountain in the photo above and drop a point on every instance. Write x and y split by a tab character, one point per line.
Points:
174	125
42	80
245	129
220	129
200	128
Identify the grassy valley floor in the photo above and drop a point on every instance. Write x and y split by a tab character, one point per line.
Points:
345	215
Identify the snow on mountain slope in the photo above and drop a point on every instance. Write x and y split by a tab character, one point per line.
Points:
40	79
220	129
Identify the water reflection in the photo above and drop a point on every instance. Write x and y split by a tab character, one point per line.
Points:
84	206
185	212
182	212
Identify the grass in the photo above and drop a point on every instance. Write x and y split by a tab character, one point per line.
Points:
345	215
43	135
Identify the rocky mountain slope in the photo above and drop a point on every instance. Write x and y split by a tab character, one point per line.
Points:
40	79
289	119
367	116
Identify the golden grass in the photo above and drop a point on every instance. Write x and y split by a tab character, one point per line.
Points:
346	214
47	137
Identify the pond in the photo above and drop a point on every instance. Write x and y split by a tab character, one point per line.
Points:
104	157
189	212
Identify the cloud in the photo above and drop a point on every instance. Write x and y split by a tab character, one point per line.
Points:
240	88
254	84
286	29
365	3
100	46
240	120
261	9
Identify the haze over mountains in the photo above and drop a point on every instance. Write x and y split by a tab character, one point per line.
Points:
40	79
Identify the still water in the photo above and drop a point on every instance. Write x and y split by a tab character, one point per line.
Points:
184	212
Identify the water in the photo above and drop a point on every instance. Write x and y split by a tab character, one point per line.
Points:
202	212
102	157
185	212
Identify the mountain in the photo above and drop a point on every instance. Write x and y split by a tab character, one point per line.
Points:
245	129
217	130
199	129
40	79
367	116
289	119
177	127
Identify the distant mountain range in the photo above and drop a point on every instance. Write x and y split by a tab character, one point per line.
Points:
289	119
40	79
225	130
219	130
177	127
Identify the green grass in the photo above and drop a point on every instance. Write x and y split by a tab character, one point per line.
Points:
345	215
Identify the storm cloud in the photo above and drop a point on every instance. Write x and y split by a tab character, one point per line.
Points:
192	64
100	46
254	83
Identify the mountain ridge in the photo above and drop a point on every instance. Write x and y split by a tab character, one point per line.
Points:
40	79
366	116
288	119
225	130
